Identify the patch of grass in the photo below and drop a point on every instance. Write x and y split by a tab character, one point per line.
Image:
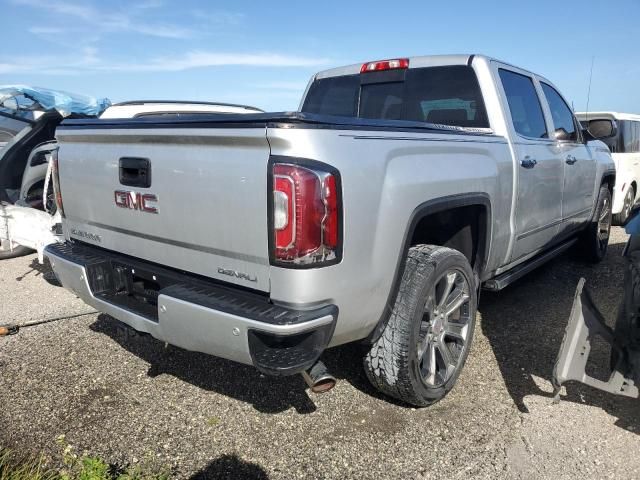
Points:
14	468
76	467
213	421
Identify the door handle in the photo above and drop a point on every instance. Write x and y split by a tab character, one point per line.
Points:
571	160
528	162
135	172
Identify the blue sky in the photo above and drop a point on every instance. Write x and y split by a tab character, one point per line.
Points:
262	53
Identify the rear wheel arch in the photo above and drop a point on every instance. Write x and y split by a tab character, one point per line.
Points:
477	252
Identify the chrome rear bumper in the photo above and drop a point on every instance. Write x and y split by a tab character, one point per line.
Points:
194	314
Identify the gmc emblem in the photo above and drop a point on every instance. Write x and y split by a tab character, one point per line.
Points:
136	201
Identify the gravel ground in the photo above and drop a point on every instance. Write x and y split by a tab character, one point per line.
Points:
128	399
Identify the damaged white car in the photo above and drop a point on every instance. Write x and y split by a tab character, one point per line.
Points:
28	119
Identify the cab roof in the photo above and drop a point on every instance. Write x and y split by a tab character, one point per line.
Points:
416	62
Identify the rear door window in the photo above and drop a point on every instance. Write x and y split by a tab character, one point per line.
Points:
524	104
443	95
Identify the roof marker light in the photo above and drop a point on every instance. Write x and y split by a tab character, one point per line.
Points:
382	65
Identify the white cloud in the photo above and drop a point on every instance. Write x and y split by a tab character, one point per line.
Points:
159	30
129	20
203	59
89	61
296	86
62	7
46	30
7	68
218	17
79	26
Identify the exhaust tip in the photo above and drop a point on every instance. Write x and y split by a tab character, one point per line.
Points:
318	378
323	385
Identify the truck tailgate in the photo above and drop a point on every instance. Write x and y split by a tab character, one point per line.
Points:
210	188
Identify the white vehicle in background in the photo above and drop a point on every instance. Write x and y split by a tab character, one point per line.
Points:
625	150
171	108
28	217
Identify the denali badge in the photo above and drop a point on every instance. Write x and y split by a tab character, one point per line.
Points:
136	201
233	273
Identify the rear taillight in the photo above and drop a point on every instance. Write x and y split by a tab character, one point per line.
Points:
55	177
306	214
382	65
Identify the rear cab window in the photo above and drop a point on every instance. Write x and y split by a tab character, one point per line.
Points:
524	104
448	95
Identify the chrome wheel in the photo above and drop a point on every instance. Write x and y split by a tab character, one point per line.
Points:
444	329
628	203
604	224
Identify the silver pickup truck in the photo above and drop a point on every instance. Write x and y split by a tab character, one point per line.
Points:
374	214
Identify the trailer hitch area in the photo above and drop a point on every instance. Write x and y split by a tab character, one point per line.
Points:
6	330
585	323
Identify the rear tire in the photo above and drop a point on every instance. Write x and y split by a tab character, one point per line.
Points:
595	239
629	199
426	341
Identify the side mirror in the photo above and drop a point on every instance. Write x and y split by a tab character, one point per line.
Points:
562	134
602	128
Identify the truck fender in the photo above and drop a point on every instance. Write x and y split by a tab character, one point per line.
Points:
608	177
424	210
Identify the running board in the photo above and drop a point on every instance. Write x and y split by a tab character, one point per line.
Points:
504	279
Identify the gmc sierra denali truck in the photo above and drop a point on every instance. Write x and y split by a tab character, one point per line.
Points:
373	214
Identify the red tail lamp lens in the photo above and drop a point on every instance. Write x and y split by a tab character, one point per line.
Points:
305	214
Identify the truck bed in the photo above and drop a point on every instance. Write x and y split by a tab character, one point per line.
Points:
208	176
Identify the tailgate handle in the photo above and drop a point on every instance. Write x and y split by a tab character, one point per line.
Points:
135	172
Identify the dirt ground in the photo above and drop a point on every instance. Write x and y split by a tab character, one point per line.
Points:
130	399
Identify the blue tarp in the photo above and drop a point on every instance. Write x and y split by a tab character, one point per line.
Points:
65	103
633	226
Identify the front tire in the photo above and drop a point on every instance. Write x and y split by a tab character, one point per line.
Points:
595	239
426	341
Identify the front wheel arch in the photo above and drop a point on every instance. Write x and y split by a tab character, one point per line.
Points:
610	180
